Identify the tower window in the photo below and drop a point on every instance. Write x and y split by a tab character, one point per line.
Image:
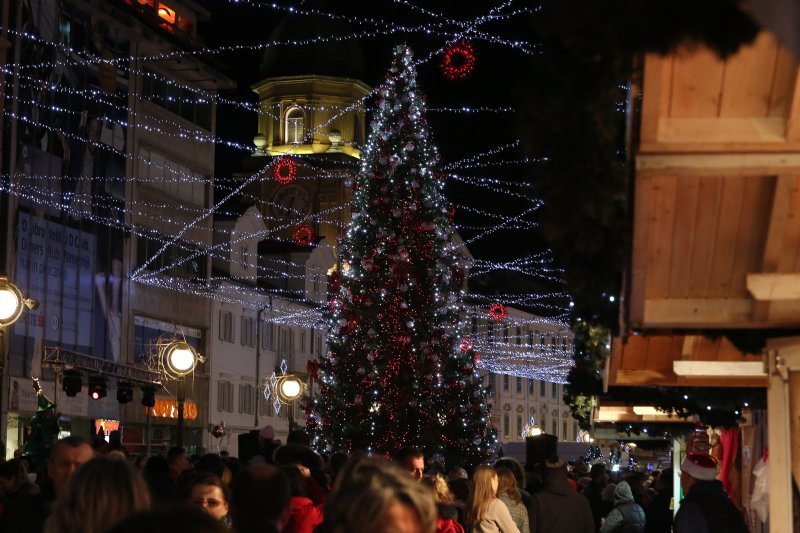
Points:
294	126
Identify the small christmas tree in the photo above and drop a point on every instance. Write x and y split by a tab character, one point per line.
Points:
397	373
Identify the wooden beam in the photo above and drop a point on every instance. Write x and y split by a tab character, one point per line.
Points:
770	287
793	115
750	165
655	94
732	369
650	378
698	312
715	130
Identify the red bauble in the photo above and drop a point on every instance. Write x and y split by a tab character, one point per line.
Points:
498	312
217	431
458	61
303	235
285	170
466	345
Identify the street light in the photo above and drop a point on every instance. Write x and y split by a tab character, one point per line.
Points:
289	389
179	359
12	304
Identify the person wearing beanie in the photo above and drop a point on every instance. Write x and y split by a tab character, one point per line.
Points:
706	507
557	507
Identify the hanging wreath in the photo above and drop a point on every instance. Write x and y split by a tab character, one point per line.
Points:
458	61
498	312
466	345
285	170
303	235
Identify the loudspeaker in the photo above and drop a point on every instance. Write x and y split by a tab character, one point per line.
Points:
539	448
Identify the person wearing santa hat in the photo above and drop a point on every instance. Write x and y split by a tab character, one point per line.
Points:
706	507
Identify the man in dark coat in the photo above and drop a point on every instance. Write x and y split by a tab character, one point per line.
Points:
594	494
557	507
706	507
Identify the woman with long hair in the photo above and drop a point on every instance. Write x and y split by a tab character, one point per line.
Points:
485	513
101	493
508	493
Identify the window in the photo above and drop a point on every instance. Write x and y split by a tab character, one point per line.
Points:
555	390
564	430
519	336
519	425
177	260
226	326
519	384
505	382
530	387
505	333
542	390
190	104
265	333
490	333
248	332
225	396
530	338
474	325
294	126
311	342
506	428
274	333
555	428
575	429
244	255
302	341
246	399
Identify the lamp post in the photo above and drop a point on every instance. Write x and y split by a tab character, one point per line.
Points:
289	389
179	359
12	304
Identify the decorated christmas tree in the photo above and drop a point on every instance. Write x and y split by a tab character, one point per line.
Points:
398	372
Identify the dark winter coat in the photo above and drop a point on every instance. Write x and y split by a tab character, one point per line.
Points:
708	509
627	516
557	508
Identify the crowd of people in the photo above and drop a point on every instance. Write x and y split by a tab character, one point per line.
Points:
100	488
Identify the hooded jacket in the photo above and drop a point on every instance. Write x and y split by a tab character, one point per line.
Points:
627	516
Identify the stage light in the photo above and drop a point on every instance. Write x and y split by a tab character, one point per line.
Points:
98	388
124	392
148	396
72	382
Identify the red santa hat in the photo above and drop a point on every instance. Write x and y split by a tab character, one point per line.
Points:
700	466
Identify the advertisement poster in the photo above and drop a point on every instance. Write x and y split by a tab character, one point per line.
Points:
71	170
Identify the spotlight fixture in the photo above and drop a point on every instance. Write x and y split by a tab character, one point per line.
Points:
98	388
149	396
124	391
71	382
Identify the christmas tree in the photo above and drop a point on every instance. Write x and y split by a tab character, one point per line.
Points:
397	372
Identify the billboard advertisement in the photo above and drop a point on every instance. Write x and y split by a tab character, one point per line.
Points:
71	167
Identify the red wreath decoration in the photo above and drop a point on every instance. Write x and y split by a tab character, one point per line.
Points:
498	312
303	235
285	170
458	61
466	345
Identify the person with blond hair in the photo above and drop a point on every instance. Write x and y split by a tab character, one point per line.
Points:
101	493
485	513
372	494
508	493
449	519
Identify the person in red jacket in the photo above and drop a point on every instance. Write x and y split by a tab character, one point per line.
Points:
304	514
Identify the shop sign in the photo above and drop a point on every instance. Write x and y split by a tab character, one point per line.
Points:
166	408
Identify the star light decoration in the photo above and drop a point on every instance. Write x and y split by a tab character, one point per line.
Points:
270	387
